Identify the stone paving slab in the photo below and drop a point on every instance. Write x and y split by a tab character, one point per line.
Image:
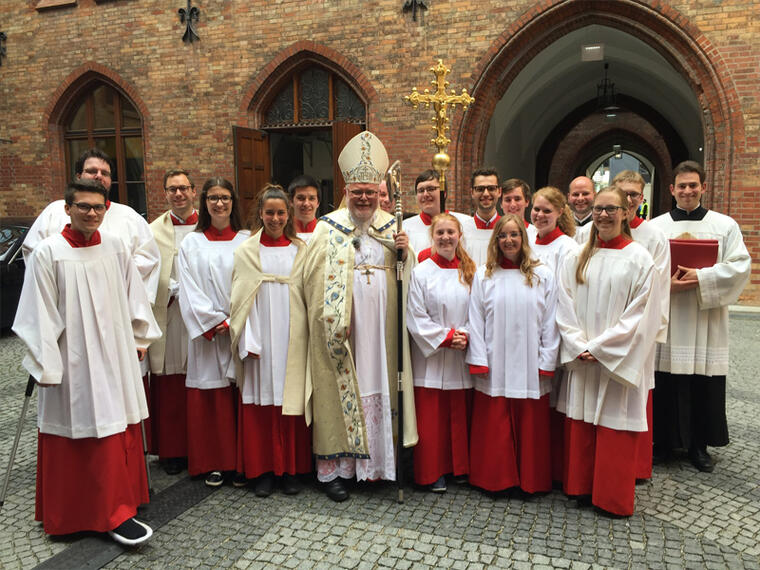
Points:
683	518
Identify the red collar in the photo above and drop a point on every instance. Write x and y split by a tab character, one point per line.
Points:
424	254
77	239
636	222
618	242
268	241
177	221
481	224
444	263
527	224
550	237
507	264
213	234
427	220
306	229
108	204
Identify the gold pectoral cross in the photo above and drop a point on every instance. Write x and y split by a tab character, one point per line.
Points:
367	271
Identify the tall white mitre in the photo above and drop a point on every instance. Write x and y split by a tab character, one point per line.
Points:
363	160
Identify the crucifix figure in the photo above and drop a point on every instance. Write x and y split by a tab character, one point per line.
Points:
440	101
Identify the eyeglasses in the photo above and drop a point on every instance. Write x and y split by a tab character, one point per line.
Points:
219	198
84	207
633	195
610	210
481	189
93	171
428	190
360	193
173	189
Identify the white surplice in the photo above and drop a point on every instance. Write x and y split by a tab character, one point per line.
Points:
267	331
437	302
419	232
614	315
513	331
82	314
554	253
205	281
698	334
476	241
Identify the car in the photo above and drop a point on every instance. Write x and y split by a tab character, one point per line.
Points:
12	234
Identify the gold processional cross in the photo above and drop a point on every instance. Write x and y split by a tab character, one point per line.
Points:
440	101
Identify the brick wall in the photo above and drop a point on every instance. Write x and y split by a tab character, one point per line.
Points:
190	95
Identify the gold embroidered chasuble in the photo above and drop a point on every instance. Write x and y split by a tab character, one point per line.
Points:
339	428
163	233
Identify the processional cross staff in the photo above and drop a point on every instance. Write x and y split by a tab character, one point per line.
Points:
440	101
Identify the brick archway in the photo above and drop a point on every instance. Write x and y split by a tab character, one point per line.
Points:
262	88
60	102
666	30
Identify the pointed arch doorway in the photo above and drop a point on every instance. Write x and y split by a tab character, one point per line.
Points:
533	80
304	113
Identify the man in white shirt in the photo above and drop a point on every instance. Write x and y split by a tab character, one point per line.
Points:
304	193
486	192
84	316
515	199
690	382
168	355
431	200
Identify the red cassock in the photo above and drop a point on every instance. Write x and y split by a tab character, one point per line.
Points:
90	484
169	409
211	430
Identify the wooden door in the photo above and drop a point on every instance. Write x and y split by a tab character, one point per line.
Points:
341	133
252	169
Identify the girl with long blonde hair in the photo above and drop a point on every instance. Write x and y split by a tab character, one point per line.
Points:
608	315
512	355
437	307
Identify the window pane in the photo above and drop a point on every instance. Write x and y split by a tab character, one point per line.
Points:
314	94
79	120
136	197
104	107
348	106
108	145
76	148
281	109
130	118
133	159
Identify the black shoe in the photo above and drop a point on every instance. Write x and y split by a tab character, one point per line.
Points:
336	490
661	455
174	465
239	480
290	484
701	459
264	485
131	532
214	479
439	486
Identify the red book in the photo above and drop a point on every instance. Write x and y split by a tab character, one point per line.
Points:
696	253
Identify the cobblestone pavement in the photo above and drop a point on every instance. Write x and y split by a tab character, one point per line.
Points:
683	518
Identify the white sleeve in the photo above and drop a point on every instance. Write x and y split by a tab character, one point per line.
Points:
146	254
549	341
573	338
477	353
51	220
722	283
145	329
38	322
427	334
196	307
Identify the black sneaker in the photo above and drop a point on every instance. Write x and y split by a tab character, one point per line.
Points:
439	486
239	480
131	532
214	479
174	465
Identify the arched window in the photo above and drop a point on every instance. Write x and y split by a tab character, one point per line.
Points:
313	97
103	117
